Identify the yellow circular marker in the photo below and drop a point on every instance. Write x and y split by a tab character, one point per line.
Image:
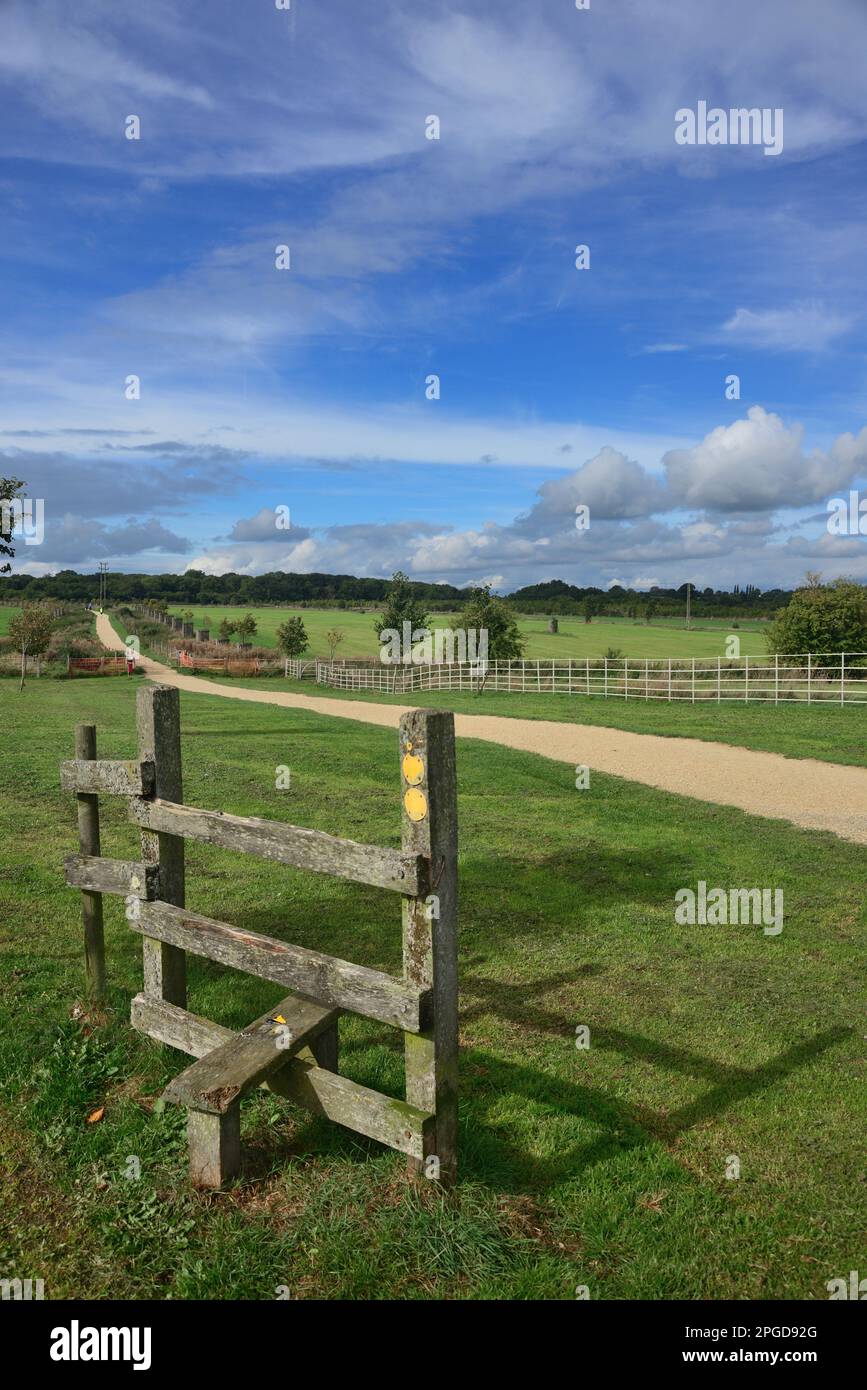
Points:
415	803
413	769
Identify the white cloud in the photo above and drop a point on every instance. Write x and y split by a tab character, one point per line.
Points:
807	327
759	463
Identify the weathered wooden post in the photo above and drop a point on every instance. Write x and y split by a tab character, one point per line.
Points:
429	827
158	713
88	843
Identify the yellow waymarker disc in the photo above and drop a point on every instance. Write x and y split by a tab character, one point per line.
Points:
413	769
415	803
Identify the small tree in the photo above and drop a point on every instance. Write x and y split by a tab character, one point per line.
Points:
650	610
401	607
9	490
246	627
485	612
588	608
333	637
225	630
822	618
292	637
30	631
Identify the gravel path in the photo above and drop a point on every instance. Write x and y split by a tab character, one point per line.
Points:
817	795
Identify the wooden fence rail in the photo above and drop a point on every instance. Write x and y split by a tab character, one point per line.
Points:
293	1049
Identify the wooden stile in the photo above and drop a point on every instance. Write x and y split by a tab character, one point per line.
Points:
293	1049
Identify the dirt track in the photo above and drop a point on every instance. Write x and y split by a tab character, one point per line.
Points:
817	795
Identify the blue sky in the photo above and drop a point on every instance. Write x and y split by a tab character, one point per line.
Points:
305	388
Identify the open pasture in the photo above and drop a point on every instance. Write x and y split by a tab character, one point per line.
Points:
575	638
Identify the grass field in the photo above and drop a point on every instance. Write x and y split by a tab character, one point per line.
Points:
575	638
6	616
604	1167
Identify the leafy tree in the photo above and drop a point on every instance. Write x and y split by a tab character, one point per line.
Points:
333	637
292	637
30	631
822	618
9	490
225	630
485	611
588	608
650	610
401	606
246	627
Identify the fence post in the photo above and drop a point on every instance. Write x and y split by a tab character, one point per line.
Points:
776	678
809	676
693	680
842	684
587	672
430	946
669	678
646	678
605	688
718	681
88	843
746	680
158	715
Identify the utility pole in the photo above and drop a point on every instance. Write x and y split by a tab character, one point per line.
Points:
103	589
688	592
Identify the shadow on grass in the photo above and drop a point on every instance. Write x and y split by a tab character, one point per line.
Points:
627	1127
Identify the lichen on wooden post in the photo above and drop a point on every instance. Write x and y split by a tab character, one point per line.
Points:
91	903
429	827
159	735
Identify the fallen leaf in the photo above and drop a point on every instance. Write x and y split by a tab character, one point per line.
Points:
654	1203
96	1116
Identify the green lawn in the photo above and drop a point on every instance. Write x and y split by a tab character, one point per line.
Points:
604	1167
575	638
6	616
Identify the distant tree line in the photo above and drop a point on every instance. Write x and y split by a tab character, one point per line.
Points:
343	591
243	590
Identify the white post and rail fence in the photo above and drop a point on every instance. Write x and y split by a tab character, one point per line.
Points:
812	678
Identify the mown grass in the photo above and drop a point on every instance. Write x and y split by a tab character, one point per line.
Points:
826	731
575	638
603	1167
